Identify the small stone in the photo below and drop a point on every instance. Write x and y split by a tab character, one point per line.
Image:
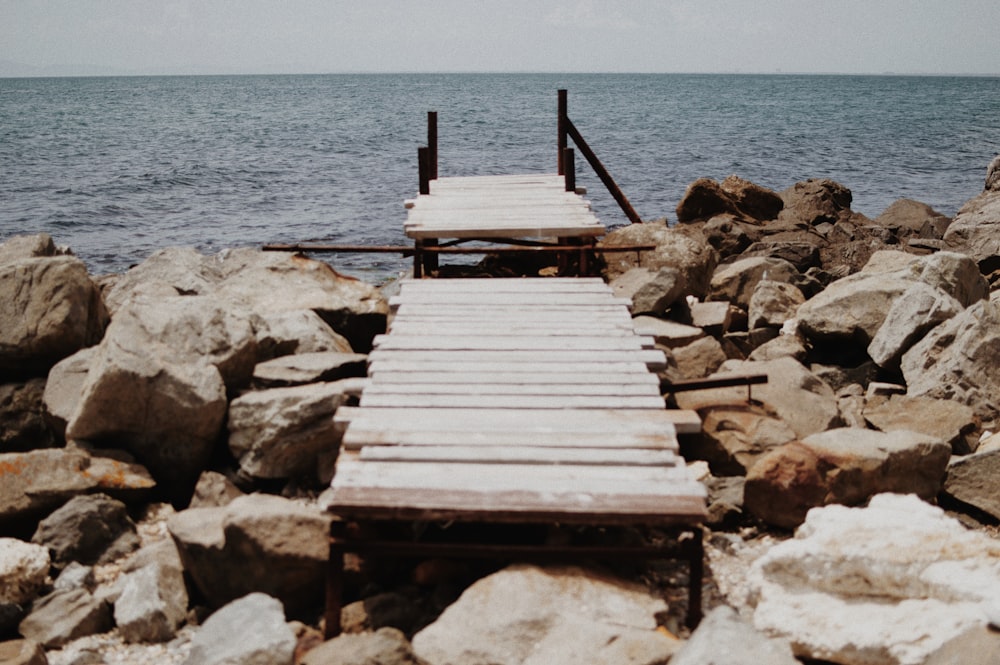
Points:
248	631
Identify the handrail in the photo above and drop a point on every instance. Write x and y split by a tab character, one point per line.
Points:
567	128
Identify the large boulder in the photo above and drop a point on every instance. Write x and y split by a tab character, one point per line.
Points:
910	316
846	466
735	282
890	584
20	247
676	247
92	528
942	419
386	646
303	368
734	436
64	387
23	425
255	543
37	482
153	603
813	202
179	271
792	393
551	616
651	291
957	360
282	432
64	616
907	218
772	303
972	479
49	309
975	231
248	631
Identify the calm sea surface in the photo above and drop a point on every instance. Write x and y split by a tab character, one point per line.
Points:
119	167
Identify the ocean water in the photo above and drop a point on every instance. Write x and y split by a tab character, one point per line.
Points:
119	167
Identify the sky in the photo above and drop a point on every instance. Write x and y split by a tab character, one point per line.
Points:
80	37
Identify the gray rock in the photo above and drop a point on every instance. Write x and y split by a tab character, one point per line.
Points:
651	291
22	417
792	393
39	481
24	570
712	317
979	645
703	199
845	466
972	480
724	638
383	610
297	332
975	231
49	309
305	368
281	432
911	315
957	360
256	543
92	528
955	274
735	282
666	333
153	603
178	271
22	652
386	646
213	490
550	616
942	419
676	247
20	247
699	358
65	616
248	631
75	576
773	303
64	387
907	218
782	346
815	201
734	436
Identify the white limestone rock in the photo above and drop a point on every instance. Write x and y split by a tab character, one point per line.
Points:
24	568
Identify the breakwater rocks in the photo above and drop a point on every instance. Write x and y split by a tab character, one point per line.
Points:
165	435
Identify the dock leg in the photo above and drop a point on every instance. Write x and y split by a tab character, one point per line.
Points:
696	551
430	258
334	581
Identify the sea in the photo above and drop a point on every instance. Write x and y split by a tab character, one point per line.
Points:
118	167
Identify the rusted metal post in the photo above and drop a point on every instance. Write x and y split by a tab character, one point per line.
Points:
696	576
334	581
432	143
563	121
569	168
602	173
424	167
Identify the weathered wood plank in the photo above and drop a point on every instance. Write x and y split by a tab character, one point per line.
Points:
447	342
455	328
474	232
641	376
378	367
606	389
439	401
642	421
653	359
361	436
526	454
526	285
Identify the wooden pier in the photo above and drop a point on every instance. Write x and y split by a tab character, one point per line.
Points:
524	401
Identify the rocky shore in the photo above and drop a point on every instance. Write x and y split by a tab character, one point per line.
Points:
166	435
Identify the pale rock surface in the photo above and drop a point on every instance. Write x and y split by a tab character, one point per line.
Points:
782	346
676	247
972	479
911	315
49	309
669	334
91	528
179	271
249	631
699	358
890	584
22	652
386	646
773	303
651	291
64	387
525	615
297	331
213	490
940	418
976	228
734	436
64	616
845	465
301	368
792	393
24	570
958	360
735	282
153	603
725	638
20	247
257	542
281	432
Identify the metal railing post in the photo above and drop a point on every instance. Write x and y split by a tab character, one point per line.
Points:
432	143
569	168
424	168
562	122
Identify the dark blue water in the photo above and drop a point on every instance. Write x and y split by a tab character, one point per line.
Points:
119	167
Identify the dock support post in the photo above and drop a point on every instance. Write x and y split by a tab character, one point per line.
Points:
334	581
569	167
432	144
424	166
563	116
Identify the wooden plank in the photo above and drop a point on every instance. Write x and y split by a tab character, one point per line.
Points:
653	359
587	479
649	421
522	285
458	327
595	366
360	436
472	232
519	455
438	401
603	388
447	342
521	379
504	315
509	298
677	504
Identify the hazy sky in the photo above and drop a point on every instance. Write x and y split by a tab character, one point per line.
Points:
264	36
